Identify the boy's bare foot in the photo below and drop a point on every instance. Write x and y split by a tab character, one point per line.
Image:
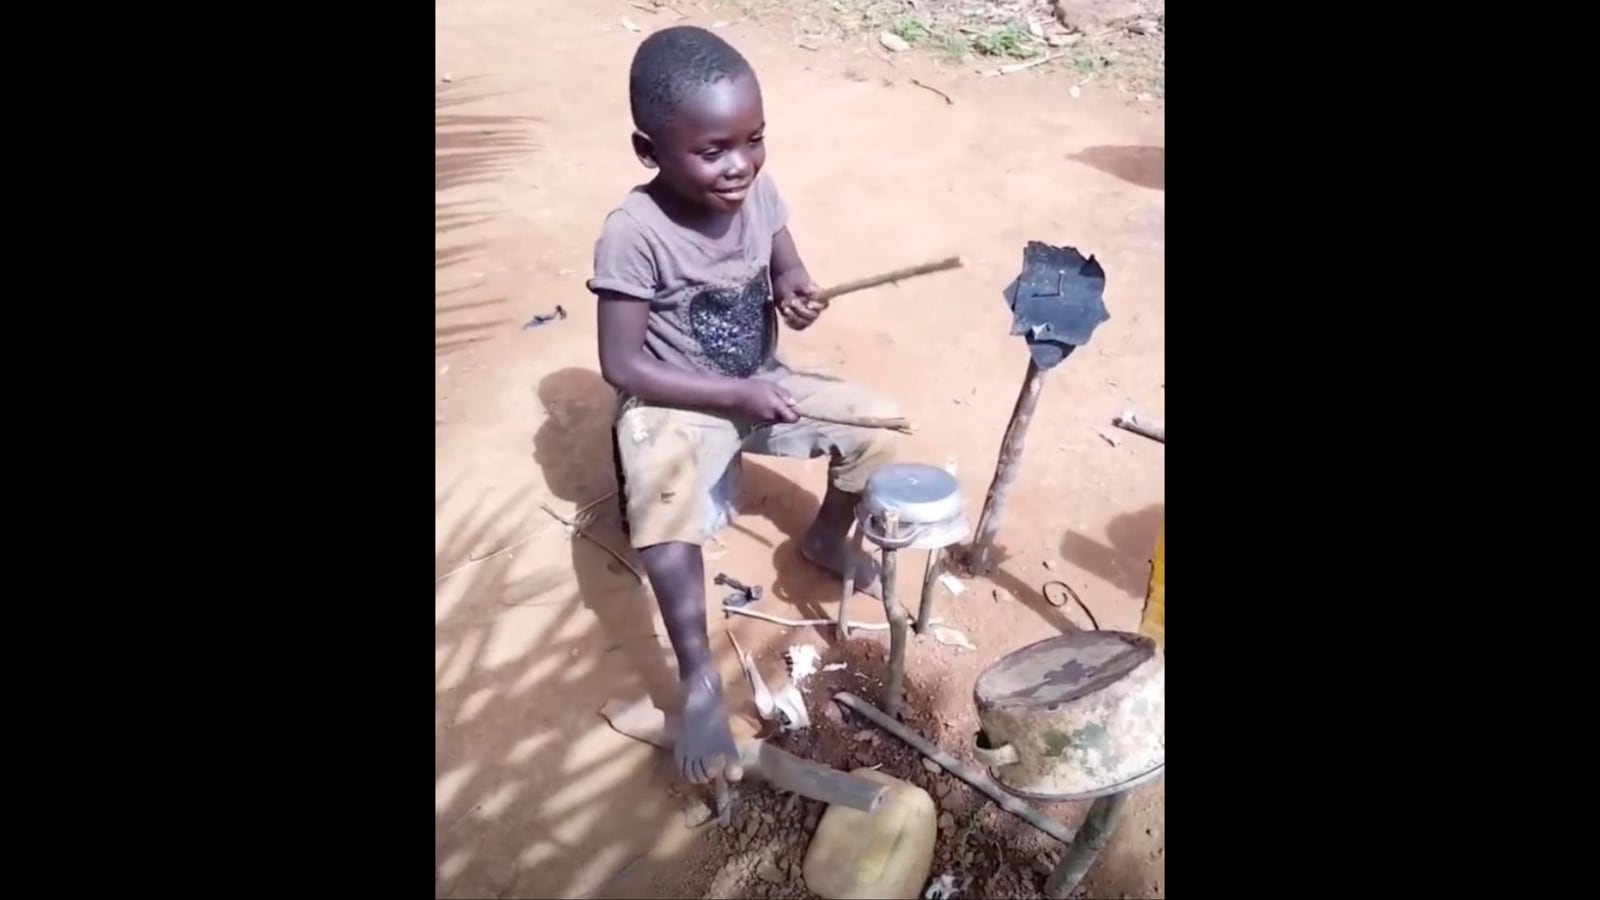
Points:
831	553
705	748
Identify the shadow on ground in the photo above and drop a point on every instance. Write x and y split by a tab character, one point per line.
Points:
1143	166
1125	561
468	150
523	807
532	799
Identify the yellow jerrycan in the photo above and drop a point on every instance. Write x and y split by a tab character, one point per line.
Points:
1153	624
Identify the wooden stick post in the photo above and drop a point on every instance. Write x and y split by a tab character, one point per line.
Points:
1005	470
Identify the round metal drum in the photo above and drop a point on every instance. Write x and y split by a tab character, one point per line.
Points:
1075	716
927	498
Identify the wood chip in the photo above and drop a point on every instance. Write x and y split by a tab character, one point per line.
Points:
952	638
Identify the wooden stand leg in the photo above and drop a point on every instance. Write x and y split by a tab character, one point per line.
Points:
930	577
843	626
896	615
1092	837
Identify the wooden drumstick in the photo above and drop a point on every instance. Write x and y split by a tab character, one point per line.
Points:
861	284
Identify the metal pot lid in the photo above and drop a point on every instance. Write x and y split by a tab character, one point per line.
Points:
922	494
1061	669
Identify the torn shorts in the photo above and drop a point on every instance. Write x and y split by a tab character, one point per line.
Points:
679	466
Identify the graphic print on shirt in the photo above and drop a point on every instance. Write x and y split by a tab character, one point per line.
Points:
731	325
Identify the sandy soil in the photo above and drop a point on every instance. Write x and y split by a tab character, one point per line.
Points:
534	795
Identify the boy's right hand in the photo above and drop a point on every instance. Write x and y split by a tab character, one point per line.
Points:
763	401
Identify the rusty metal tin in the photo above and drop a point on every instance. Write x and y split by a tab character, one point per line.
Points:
1075	716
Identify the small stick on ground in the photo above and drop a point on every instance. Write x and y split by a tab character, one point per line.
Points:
1154	429
577	516
649	9
474	560
929	87
809	623
580	532
1024	66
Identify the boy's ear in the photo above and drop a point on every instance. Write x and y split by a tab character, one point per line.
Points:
645	149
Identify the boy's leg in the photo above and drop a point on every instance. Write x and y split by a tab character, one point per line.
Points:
670	459
855	453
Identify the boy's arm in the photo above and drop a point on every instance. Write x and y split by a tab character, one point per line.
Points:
791	284
785	255
626	367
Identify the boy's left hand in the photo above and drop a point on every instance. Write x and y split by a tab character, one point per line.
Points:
793	291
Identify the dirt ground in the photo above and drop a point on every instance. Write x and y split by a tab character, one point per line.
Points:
534	795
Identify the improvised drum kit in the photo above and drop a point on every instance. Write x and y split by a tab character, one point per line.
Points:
1079	716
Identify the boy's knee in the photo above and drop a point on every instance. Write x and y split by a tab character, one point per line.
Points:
876	448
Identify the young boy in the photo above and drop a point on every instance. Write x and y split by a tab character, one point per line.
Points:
692	272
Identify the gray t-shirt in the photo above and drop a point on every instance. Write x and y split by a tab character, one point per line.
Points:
710	298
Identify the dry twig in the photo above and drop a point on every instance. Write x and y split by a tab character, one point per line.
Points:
474	560
862	284
580	532
929	87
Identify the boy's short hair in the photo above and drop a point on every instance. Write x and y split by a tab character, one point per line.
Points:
670	65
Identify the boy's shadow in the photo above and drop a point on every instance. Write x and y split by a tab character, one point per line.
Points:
573	447
791	508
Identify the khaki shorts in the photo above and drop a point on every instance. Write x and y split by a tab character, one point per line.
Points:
672	458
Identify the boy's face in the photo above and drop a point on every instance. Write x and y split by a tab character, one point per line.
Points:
713	146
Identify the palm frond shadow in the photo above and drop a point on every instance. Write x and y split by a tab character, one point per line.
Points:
521	808
468	150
